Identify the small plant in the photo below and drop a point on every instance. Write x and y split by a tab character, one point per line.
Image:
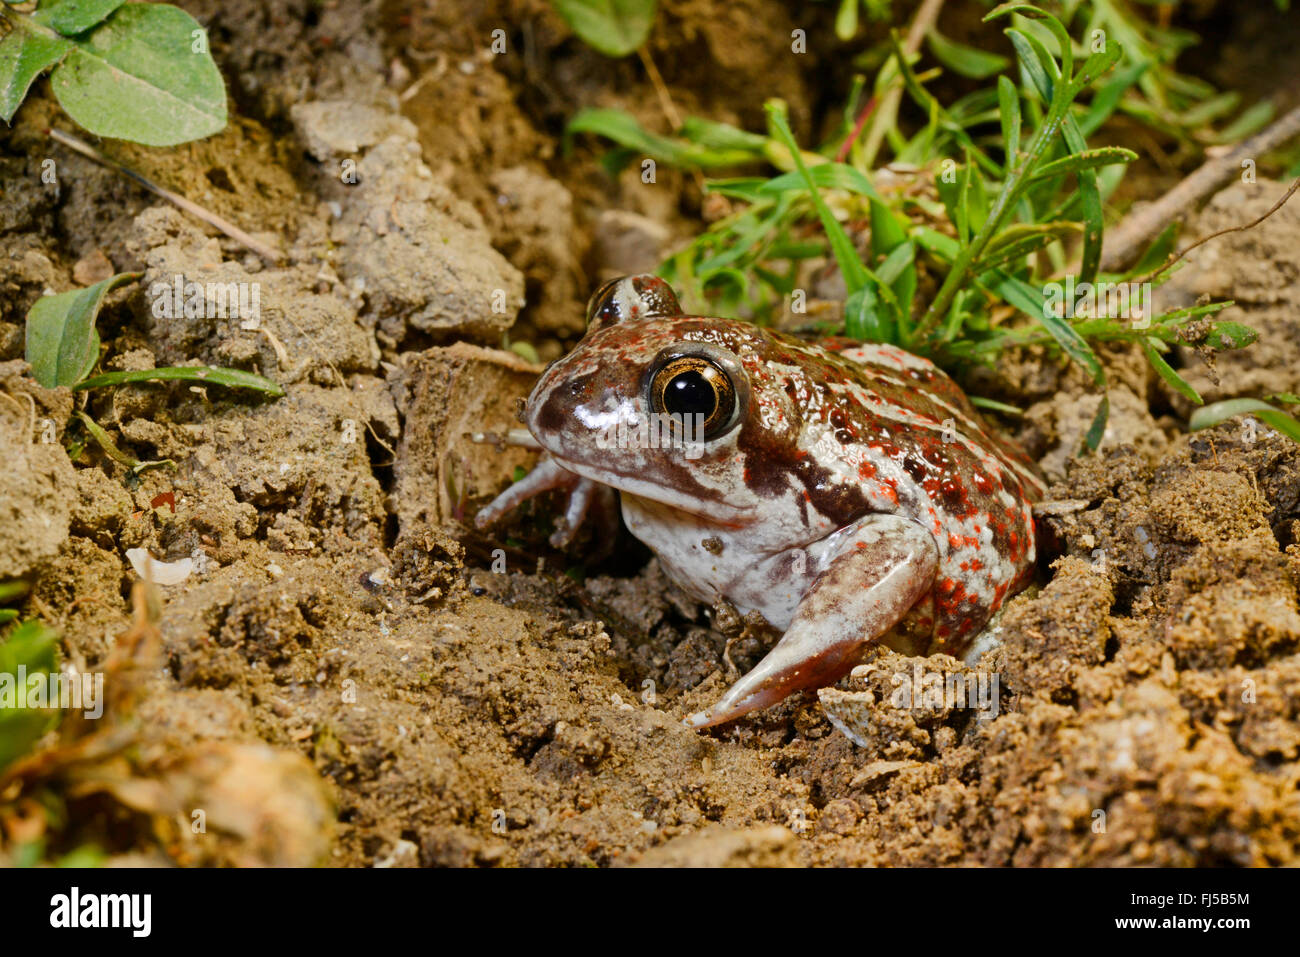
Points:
28	650
63	348
132	71
615	28
995	204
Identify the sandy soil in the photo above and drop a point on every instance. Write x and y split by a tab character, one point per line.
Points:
353	676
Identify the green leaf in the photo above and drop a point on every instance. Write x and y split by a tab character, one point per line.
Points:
1166	371
1247	124
1036	62
623	129
1108	96
105	442
74	16
1230	335
846	19
31	646
231	378
824	176
612	27
137	77
1031	12
855	274
1088	159
1019	240
62	344
1097	430
23	56
1030	300
993	405
1009	111
963	60
1218	412
1156	253
721	136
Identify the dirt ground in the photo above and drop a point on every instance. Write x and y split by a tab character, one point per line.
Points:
353	676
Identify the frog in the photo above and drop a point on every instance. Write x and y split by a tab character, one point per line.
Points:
847	492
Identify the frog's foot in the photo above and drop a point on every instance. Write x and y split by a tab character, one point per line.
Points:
547	476
883	566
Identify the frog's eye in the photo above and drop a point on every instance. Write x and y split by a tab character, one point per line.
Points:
695	385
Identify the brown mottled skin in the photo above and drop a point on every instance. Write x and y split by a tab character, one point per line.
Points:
851	491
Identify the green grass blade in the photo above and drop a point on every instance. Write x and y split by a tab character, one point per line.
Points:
205	375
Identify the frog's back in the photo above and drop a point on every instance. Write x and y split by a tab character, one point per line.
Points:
973	488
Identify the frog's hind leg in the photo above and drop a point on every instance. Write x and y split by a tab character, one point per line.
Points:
883	566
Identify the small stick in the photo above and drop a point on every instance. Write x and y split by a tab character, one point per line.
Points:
1139	228
230	229
1222	232
661	89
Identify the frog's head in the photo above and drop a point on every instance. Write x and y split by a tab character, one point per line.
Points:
657	404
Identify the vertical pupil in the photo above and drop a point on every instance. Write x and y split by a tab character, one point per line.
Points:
689	393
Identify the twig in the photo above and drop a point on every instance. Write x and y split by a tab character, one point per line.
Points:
1139	228
194	209
665	101
927	15
1222	232
661	89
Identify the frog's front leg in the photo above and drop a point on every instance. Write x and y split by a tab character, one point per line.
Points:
546	476
883	566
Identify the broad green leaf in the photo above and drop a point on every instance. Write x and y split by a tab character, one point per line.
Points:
207	375
30	645
1230	335
897	268
145	75
612	27
23	55
1218	412
863	317
62	344
74	16
963	60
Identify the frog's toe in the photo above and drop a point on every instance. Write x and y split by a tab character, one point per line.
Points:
581	495
547	475
783	672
